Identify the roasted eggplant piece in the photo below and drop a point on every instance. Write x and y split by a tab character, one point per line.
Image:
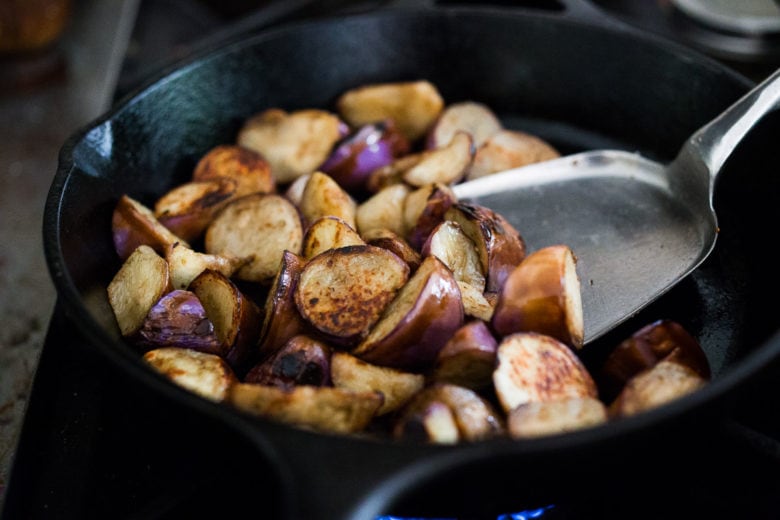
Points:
343	292
414	327
542	294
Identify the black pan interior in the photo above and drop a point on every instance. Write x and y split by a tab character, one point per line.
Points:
577	85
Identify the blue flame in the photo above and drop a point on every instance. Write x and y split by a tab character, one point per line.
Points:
528	514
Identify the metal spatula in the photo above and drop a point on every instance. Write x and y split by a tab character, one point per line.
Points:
636	226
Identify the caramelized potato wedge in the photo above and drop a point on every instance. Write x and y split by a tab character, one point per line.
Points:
186	264
500	246
236	318
281	319
295	143
418	322
536	367
257	226
666	381
301	361
323	197
250	171
476	418
477	119
206	375
189	208
343	292
413	105
139	284
656	341
178	319
540	418
543	295
446	165
383	210
397	387
450	244
468	358
508	149
329	233
134	224
320	408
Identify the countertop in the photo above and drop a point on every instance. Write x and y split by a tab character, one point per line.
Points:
36	118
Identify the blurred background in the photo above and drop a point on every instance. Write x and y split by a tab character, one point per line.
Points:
65	62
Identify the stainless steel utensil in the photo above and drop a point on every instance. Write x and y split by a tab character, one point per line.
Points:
637	226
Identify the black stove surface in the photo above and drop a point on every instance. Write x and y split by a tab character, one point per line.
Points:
96	445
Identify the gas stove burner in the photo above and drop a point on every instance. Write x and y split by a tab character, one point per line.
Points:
748	17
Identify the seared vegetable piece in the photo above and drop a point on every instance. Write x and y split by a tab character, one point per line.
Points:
468	358
329	233
659	340
140	283
666	381
446	165
301	361
397	387
178	319
540	418
371	146
424	209
450	244
392	173
207	375
413	105
543	295
508	149
388	239
536	367
383	210
188	208
323	197
433	423
246	167
295	143
186	263
472	117
320	408
133	224
281	320
236	318
476	303
260	227
476	418
343	292
294	190
500	246
418	322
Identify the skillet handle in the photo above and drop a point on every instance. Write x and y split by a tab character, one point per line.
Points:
340	477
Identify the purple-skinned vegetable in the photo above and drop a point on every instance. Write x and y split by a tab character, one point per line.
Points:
358	154
178	319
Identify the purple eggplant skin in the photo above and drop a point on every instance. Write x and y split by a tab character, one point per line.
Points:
357	155
301	361
178	319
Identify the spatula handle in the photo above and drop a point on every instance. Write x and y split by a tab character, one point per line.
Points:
717	140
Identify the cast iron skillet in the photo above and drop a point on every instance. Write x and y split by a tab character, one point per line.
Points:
580	81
